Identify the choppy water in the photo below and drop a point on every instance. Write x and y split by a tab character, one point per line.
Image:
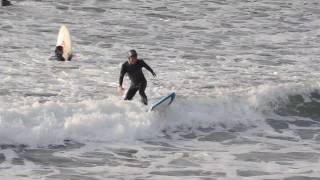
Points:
245	72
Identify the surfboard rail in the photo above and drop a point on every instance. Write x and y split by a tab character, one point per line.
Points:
170	98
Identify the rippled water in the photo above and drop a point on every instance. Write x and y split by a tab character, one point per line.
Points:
245	72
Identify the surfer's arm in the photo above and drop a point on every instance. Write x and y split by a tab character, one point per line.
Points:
70	57
122	73
145	65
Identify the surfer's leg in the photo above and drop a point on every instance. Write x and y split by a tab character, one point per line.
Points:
143	95
131	92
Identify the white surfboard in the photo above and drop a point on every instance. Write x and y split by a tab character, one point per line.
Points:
64	40
163	102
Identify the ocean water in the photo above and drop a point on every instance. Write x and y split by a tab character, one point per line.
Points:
246	74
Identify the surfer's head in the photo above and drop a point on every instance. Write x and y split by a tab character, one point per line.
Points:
132	56
59	50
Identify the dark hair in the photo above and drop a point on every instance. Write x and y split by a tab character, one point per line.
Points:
132	53
59	48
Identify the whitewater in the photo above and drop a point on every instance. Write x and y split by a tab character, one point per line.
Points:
246	75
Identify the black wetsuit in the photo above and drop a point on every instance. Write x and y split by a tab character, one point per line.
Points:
138	81
59	57
5	3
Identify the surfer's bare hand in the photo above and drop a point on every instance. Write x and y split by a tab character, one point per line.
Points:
120	90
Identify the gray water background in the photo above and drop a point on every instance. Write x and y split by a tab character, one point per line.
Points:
200	49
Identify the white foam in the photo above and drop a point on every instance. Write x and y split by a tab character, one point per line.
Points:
112	119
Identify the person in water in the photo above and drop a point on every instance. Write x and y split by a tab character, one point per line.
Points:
59	53
138	82
5	3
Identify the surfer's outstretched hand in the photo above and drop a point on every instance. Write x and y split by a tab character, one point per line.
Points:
120	90
154	74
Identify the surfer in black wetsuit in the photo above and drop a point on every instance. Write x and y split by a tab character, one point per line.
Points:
5	3
138	82
59	53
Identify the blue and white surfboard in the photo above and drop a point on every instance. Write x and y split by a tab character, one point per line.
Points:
163	102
